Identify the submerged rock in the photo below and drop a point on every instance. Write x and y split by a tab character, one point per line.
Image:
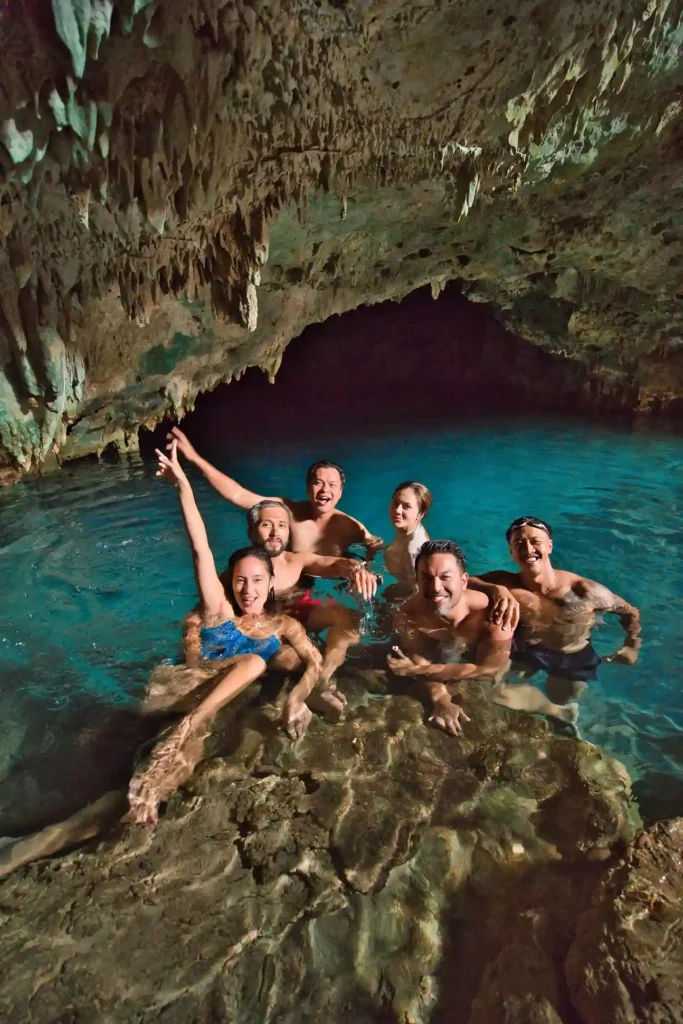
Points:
626	962
377	870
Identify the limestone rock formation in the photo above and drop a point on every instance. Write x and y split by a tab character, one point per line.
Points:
185	184
626	962
377	870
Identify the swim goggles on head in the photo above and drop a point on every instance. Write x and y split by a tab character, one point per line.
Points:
537	524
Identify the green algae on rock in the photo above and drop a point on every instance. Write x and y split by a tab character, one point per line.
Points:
377	870
232	172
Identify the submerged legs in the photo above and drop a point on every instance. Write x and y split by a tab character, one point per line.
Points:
342	626
176	756
524	697
84	825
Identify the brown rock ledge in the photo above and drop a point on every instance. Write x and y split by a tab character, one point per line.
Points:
378	870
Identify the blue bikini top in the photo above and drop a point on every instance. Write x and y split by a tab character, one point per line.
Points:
226	641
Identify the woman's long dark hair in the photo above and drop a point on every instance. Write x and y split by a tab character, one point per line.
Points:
226	577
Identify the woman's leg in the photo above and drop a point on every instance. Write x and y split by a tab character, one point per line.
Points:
175	688
87	823
175	757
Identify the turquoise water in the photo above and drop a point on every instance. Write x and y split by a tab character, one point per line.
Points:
96	576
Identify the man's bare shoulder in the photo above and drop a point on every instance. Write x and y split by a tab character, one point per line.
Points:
343	521
476	602
477	618
296	559
571	580
600	596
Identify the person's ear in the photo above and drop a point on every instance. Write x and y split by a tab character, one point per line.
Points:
465	580
550	546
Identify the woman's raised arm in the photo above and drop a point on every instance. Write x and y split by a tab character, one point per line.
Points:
214	602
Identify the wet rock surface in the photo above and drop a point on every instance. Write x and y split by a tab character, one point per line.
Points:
377	870
626	962
184	186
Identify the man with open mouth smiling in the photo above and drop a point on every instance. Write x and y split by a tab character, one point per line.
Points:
317	524
447	637
557	613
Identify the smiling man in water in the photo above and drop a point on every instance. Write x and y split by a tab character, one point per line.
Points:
557	613
317	524
269	527
447	637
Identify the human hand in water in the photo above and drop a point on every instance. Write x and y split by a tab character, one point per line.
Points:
449	717
364	581
401	665
170	468
504	609
297	718
184	447
328	700
624	656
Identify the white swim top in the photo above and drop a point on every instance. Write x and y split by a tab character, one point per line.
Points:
400	556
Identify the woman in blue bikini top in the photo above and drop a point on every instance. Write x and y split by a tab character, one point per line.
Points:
239	628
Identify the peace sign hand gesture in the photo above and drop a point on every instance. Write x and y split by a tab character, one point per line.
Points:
169	467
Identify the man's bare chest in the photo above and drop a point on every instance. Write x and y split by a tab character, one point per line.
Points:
567	607
461	634
330	538
286	576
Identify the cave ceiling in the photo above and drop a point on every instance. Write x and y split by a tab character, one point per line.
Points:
184	186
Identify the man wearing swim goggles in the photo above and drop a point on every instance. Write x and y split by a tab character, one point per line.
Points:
557	613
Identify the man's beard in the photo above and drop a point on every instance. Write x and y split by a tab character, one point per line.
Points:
274	547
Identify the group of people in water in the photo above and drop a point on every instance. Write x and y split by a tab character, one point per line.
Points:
449	627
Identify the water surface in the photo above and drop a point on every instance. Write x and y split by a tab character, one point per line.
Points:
96	576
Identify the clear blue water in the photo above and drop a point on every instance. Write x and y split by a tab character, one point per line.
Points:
96	576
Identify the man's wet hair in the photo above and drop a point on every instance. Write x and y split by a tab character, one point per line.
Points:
441	547
253	512
324	464
537	524
422	493
226	577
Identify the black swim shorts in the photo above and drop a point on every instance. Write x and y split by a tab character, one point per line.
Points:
576	666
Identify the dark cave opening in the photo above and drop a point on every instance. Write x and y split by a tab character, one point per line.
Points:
392	366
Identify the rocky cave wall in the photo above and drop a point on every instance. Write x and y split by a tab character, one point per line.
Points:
185	185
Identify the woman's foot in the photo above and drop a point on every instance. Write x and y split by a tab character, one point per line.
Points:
162	775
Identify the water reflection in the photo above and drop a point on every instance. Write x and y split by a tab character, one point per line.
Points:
97	577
